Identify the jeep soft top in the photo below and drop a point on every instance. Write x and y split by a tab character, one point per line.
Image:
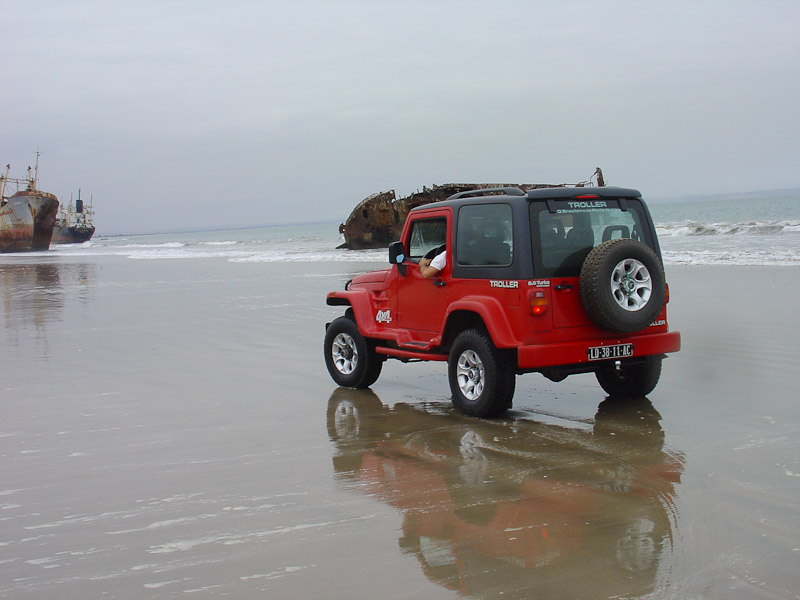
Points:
559	281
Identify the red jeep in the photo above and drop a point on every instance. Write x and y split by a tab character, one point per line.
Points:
556	281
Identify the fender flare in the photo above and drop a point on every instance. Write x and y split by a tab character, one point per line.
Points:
491	311
358	300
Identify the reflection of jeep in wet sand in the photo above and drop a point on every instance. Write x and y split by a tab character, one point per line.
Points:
533	510
557	281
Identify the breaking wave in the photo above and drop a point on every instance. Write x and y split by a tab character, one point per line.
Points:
163	245
738	258
247	251
696	228
745	243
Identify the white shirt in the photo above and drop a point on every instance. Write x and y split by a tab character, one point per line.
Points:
439	261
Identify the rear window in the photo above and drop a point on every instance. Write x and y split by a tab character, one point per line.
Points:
563	232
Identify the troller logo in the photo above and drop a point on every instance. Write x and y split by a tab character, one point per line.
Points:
595	204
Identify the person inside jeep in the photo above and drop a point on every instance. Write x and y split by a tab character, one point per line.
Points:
431	267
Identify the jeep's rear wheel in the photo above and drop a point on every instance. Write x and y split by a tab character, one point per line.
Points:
622	285
351	359
481	378
630	378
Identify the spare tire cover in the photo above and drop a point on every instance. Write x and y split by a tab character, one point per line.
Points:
622	285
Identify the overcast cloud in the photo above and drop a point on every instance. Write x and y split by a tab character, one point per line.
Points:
200	114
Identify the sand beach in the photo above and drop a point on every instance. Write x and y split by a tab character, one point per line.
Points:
169	430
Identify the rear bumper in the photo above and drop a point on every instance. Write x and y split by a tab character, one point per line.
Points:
550	355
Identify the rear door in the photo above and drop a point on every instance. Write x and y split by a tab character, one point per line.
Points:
563	232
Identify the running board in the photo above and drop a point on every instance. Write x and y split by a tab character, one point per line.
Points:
396	352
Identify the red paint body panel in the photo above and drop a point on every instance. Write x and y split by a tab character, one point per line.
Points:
548	355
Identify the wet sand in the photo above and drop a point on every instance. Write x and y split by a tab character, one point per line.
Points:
169	430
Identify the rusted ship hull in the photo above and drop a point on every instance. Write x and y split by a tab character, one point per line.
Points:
71	235
378	220
26	221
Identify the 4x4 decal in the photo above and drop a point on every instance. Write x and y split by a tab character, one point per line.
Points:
383	316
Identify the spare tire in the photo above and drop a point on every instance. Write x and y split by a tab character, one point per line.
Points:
622	285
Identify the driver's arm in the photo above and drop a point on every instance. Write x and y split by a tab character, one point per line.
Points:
426	270
430	268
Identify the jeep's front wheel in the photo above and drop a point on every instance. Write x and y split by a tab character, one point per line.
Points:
481	378
630	379
350	359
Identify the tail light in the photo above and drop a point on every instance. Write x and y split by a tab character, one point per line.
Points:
666	293
539	302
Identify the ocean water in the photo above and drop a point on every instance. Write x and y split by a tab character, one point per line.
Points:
756	230
739	231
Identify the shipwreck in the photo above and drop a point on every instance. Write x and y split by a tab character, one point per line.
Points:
27	216
378	219
74	223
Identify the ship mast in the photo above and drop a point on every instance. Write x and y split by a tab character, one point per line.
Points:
36	171
3	179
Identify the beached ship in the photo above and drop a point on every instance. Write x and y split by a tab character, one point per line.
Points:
74	223
378	219
27	216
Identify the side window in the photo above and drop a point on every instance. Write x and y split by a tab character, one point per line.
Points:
426	235
485	235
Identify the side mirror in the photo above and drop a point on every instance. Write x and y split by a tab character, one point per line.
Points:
397	256
396	253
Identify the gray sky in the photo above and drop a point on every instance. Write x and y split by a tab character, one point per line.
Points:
194	114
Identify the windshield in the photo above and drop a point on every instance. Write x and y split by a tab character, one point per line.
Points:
563	232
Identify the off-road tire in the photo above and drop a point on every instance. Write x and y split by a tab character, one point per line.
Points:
622	285
630	379
351	359
481	376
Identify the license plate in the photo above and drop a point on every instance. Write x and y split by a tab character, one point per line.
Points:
608	352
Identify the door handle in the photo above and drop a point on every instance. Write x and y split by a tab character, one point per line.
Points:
439	283
563	286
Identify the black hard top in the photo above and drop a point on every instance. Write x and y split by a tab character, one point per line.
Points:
515	195
573	192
